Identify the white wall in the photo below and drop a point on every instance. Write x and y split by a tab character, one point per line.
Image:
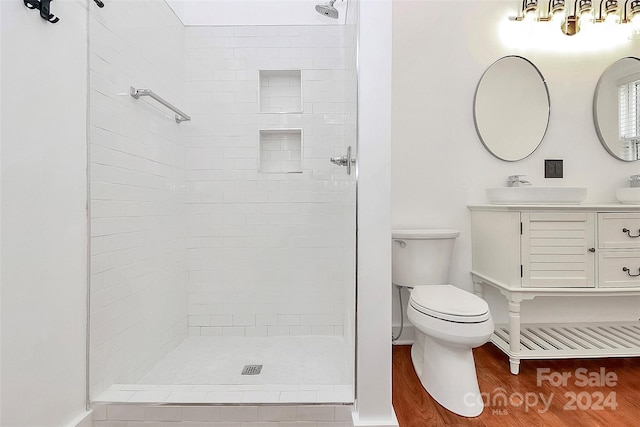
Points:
44	224
440	50
0	221
374	217
137	170
266	250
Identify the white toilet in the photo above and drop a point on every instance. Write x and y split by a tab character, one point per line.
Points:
449	321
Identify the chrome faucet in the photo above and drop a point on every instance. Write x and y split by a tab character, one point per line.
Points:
517	181
634	181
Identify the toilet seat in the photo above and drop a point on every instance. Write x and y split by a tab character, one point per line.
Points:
447	302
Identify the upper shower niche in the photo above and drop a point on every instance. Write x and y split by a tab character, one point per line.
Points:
245	12
280	91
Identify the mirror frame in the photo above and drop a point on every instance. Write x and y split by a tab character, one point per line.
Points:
595	108
548	110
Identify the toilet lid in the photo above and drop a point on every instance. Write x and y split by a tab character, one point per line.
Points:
448	302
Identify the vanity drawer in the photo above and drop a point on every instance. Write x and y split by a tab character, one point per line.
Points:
611	273
618	230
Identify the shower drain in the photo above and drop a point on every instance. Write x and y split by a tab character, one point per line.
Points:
251	369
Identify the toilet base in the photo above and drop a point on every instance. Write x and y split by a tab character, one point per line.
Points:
448	374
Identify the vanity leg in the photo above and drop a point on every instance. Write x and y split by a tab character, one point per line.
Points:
514	336
514	365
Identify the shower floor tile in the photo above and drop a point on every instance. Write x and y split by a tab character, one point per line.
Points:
304	369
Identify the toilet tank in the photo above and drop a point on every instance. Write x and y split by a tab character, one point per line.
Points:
421	256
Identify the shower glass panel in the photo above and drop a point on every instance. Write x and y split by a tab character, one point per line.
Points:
222	248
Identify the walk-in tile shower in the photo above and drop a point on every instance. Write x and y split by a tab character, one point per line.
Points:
226	240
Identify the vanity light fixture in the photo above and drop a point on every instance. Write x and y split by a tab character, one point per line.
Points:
634	10
633	17
597	11
530	5
610	11
527	8
583	7
571	23
554	7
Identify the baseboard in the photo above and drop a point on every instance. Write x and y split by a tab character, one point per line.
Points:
392	422
83	420
407	337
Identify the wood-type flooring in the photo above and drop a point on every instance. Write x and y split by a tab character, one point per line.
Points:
569	392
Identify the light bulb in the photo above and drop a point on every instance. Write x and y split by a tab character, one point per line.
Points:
612	18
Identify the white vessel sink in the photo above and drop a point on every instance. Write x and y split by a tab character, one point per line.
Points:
628	195
537	195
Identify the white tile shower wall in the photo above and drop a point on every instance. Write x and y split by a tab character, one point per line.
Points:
138	212
267	254
222	416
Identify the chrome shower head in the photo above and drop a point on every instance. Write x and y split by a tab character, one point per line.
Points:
327	9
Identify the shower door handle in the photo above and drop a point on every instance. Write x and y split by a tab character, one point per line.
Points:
345	160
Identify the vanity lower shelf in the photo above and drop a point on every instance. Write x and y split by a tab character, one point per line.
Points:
567	341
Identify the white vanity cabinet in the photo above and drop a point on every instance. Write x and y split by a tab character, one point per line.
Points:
556	250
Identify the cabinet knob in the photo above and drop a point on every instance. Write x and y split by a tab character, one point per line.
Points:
592	249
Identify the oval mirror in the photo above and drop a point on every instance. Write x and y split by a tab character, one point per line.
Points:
511	108
616	109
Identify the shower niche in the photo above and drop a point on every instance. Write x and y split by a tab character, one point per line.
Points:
280	91
281	151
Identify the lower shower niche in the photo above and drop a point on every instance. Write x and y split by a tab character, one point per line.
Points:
281	151
207	369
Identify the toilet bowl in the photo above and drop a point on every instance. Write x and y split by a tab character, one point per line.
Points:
449	321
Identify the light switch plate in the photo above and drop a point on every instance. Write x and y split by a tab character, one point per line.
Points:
553	169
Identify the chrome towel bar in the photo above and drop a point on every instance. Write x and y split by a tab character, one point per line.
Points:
137	93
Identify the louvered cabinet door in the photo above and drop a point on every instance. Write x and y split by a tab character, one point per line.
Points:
557	249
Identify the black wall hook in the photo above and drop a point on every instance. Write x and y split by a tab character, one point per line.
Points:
44	6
